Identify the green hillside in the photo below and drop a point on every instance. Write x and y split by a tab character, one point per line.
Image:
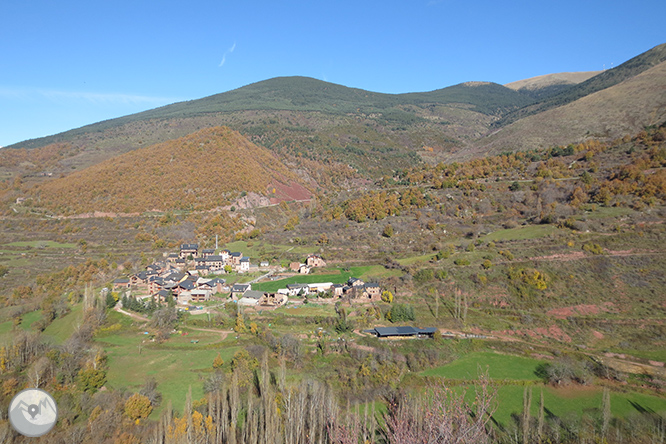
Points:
306	94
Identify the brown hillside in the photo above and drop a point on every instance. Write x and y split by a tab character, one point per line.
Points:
200	171
625	108
562	78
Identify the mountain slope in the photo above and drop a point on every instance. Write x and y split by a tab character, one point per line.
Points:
201	171
623	109
308	94
606	79
541	87
299	117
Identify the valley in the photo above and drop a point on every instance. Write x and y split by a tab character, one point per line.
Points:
523	228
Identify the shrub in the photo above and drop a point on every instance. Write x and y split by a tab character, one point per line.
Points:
424	275
461	261
400	313
593	248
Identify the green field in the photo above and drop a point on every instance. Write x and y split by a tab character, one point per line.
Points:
499	367
522	233
562	402
559	401
61	329
30	318
177	365
41	244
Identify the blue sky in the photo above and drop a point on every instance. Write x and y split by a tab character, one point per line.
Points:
66	64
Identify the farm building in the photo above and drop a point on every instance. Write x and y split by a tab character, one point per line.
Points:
386	332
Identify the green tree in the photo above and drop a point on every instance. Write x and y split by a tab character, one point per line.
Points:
90	379
388	231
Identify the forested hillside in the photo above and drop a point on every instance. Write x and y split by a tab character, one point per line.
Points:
204	170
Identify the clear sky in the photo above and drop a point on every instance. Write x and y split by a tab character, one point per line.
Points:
65	64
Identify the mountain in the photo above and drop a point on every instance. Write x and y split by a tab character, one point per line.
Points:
625	108
541	87
209	168
304	118
606	79
321	127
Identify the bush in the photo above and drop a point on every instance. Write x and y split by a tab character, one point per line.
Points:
461	261
593	248
400	313
424	275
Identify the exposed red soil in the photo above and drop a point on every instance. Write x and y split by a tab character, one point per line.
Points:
581	310
553	332
560	257
293	191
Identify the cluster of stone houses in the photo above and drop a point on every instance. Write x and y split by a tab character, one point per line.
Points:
312	261
205	261
180	276
162	280
354	288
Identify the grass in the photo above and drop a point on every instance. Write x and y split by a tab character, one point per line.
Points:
41	244
608	212
571	400
499	367
62	328
30	318
273	286
307	310
415	259
522	233
176	365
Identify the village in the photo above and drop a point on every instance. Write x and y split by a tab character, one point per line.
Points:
192	276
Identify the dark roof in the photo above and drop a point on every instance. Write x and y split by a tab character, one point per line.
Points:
216	281
121	281
208	250
403	331
236	254
245	259
371	285
189	246
214	258
187	285
240	287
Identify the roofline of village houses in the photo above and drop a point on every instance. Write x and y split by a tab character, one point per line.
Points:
180	274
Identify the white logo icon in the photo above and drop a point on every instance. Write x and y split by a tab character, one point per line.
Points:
33	412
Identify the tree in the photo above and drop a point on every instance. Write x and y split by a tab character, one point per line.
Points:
387	296
388	231
90	379
218	361
137	407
